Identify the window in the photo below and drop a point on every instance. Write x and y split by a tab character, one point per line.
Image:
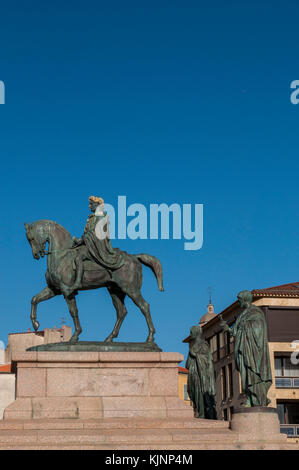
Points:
222	344
231	380
288	413
218	346
278	361
228	348
292	411
289	369
284	367
283	382
280	412
224	383
222	339
286	373
213	344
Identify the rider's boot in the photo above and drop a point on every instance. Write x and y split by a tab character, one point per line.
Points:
69	290
79	272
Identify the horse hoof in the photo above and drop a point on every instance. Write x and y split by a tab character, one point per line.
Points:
74	340
108	340
150	340
35	325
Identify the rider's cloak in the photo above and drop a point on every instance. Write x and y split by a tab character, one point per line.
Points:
97	240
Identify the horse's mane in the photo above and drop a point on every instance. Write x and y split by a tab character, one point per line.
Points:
51	222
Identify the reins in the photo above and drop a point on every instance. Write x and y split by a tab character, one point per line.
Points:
57	251
46	253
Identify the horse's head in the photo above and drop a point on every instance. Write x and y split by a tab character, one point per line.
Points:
47	231
36	239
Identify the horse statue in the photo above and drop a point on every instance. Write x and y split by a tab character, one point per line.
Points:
61	271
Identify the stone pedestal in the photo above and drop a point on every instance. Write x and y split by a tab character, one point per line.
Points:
258	424
97	385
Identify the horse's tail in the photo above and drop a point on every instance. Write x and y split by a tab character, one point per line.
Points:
155	266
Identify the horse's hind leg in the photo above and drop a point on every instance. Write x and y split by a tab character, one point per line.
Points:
45	294
144	307
118	297
72	305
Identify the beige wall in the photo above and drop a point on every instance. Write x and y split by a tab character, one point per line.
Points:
57	336
7	391
19	342
2	356
279	302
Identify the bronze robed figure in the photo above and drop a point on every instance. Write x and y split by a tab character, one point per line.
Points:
251	351
90	263
201	377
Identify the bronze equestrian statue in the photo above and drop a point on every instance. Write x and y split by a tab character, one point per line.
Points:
90	263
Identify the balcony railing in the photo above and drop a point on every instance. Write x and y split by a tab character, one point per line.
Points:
292	430
286	382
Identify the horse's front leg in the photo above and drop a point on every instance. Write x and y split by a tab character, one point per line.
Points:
72	305
45	294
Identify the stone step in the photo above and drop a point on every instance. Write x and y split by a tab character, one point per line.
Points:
153	446
125	434
113	423
114	436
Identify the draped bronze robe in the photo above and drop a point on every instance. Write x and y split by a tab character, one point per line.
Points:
201	380
252	355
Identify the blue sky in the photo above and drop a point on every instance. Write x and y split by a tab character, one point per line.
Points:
168	101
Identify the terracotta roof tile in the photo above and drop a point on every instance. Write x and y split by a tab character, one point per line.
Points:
284	289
